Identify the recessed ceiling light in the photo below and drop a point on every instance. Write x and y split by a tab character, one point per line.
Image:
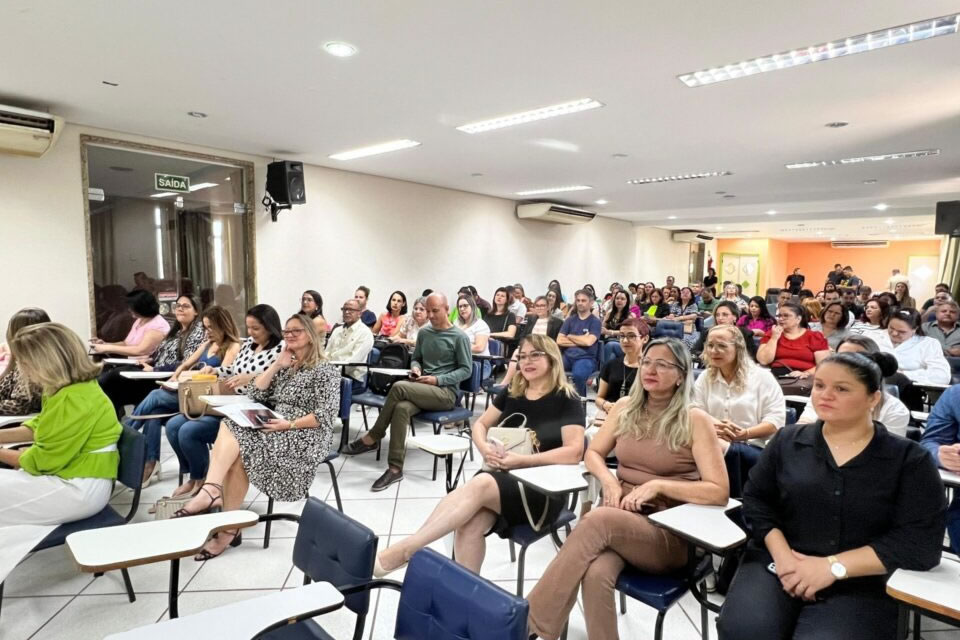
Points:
839	124
671	217
833	238
885	156
574	106
819	233
771	212
870	181
889	221
536	192
110	84
685	176
719	227
883	206
340	49
165	194
729	196
196	114
882	39
372	150
202	185
227	178
600	201
619	156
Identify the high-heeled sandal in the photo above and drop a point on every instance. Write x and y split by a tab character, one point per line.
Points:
236	542
213	507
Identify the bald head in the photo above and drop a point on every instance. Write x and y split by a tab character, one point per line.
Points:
438	308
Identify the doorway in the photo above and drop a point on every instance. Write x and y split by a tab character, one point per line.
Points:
742	269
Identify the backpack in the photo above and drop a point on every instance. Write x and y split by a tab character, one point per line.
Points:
392	356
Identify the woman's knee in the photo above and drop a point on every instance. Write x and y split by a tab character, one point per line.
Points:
477	526
602	573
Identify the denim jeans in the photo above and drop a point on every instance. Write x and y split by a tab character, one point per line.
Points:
612	350
581	368
189	439
157	401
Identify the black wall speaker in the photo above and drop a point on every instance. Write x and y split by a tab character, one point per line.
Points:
948	218
285	182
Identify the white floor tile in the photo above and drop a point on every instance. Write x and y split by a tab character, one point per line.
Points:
46	573
149	578
23	616
248	566
376	514
355	485
93	617
411	514
279	528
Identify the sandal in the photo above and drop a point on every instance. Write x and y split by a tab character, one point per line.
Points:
213	507
235	542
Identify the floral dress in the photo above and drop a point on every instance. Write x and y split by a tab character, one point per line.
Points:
283	464
689	338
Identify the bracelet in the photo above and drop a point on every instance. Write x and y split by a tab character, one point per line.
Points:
291	424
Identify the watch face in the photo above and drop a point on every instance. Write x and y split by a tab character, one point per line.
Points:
838	570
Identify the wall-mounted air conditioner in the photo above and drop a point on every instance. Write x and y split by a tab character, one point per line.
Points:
27	133
555	213
691	236
860	244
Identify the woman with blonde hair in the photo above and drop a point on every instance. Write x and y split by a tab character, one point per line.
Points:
491	501
667	454
17	398
281	459
67	473
813	308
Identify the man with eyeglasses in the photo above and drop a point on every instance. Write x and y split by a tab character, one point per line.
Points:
441	361
944	328
578	340
351	342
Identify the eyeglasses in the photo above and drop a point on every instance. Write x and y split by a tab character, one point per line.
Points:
662	366
292	333
349	310
717	346
627	337
784	316
531	356
183	307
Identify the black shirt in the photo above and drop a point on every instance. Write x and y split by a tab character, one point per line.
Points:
546	415
612	373
889	497
710	282
499	323
795	283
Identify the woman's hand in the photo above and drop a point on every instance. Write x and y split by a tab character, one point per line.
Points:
728	431
146	367
96	341
285	359
99	347
208	370
775	332
277	424
235	382
808	576
647	492
799	374
612	493
510	460
759	333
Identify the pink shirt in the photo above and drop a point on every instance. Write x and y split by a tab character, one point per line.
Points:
140	328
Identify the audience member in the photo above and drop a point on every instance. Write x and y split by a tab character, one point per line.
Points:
836	506
864	296
896	278
148	330
578	339
362	296
390	320
784	295
849	298
828	287
944	328
441	361
493	501
757	319
407	333
618	373
667	454
849	280
921	359
790	348
930	312
311	305
517	306
902	294
707	302
833	323
730	295
558	308
873	322
938	289
113	315
710	280
834	277
727	314
644	296
794	281
685	311
813	308
17	396
554	285
941	439
618	313
655	308
670	282
501	321
352	342
482	304
476	329
541	322
280	459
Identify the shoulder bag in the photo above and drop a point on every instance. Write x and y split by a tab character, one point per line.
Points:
189	392
523	441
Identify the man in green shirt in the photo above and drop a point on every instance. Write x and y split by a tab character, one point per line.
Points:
441	361
707	302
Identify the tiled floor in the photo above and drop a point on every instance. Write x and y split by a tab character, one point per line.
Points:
47	598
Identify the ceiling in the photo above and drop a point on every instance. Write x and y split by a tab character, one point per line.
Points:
426	66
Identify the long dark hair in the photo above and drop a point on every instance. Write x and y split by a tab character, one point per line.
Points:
143	303
317	300
493	301
760	302
268	317
614	317
884	310
799	312
868	368
403	297
911	317
844	314
175	330
555	287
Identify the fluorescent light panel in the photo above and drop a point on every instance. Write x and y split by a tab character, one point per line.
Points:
537	192
165	194
904	34
685	176
202	185
923	153
574	106
376	149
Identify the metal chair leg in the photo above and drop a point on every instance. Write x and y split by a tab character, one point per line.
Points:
520	563
916	625
129	585
704	622
266	535
658	629
623	603
336	488
513	552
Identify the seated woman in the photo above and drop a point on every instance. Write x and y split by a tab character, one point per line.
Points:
667	455
558	307
541	322
17	397
730	295
502	323
685	310
610	328
833	324
67	473
393	318
617	375
920	358
744	400
890	412
814	308
281	459
873	322
902	294
836	506
491	502
655	308
183	338
726	314
148	330
470	323
790	348
757	319
407	333
311	305
221	347
189	437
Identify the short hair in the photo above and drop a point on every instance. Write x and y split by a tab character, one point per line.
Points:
425	293
848	290
948	303
865	288
836	265
848	267
270	319
366	291
143	303
585	292
403	309
642	327
51	356
942	284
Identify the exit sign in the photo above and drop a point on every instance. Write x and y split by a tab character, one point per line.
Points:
167	182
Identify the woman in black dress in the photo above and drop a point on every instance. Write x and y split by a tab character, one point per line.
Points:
490	502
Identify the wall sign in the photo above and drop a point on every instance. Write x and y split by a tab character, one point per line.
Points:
167	182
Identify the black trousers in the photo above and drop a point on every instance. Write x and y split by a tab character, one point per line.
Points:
910	395
757	608
123	391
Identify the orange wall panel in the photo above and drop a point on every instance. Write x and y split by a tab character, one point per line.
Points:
873	266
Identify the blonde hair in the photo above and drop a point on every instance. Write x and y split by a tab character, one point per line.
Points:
813	307
221	320
23	318
558	378
315	355
51	357
673	427
741	361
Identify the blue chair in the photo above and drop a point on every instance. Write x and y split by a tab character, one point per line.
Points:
133	451
459	413
367	398
346	403
524	535
668	329
954	369
489	385
333	455
791	417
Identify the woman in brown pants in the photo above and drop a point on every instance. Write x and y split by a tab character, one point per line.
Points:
668	454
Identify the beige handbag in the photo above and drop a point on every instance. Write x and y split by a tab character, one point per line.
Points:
522	441
166	507
189	392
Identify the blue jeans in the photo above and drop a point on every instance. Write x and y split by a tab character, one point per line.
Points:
740	458
157	401
581	368
612	350
953	522
189	439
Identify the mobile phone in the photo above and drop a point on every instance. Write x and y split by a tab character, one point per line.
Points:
497	445
772	568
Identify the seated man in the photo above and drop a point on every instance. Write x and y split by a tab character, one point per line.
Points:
441	361
944	328
941	291
707	302
578	339
351	342
941	439
784	296
849	298
865	294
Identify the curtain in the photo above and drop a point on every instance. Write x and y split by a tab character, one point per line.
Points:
195	239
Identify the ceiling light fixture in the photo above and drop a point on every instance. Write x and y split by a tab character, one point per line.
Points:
832	239
601	201
202	185
870	181
883	206
340	49
537	192
565	108
376	149
901	155
839	124
719	228
196	114
881	39
771	212
671	217
685	176
165	194
889	221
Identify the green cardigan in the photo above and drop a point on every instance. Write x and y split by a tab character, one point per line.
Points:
73	422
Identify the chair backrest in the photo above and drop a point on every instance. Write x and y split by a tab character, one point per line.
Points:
772	309
132	447
954	369
791	416
346	397
668	329
472	384
892	389
332	547
495	347
441	599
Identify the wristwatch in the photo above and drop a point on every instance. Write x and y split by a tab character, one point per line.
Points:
836	568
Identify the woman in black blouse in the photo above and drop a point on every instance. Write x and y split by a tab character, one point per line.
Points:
837	506
617	375
490	502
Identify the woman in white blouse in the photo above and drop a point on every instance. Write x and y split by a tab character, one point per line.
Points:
920	358
407	334
873	323
730	295
744	400
890	412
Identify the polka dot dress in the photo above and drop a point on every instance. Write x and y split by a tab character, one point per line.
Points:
249	361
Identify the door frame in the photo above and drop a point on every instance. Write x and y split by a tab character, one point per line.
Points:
249	216
721	277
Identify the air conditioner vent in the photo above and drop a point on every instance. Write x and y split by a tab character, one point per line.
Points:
860	244
554	213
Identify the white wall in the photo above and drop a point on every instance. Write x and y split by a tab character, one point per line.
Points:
658	256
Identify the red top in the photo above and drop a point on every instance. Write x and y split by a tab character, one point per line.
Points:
798	352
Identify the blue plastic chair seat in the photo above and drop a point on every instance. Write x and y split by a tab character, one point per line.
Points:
523	534
660	592
369	399
457	414
107	517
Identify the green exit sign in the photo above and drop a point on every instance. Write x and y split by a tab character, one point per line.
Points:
167	182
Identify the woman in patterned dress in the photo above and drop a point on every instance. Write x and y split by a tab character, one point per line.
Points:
280	459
